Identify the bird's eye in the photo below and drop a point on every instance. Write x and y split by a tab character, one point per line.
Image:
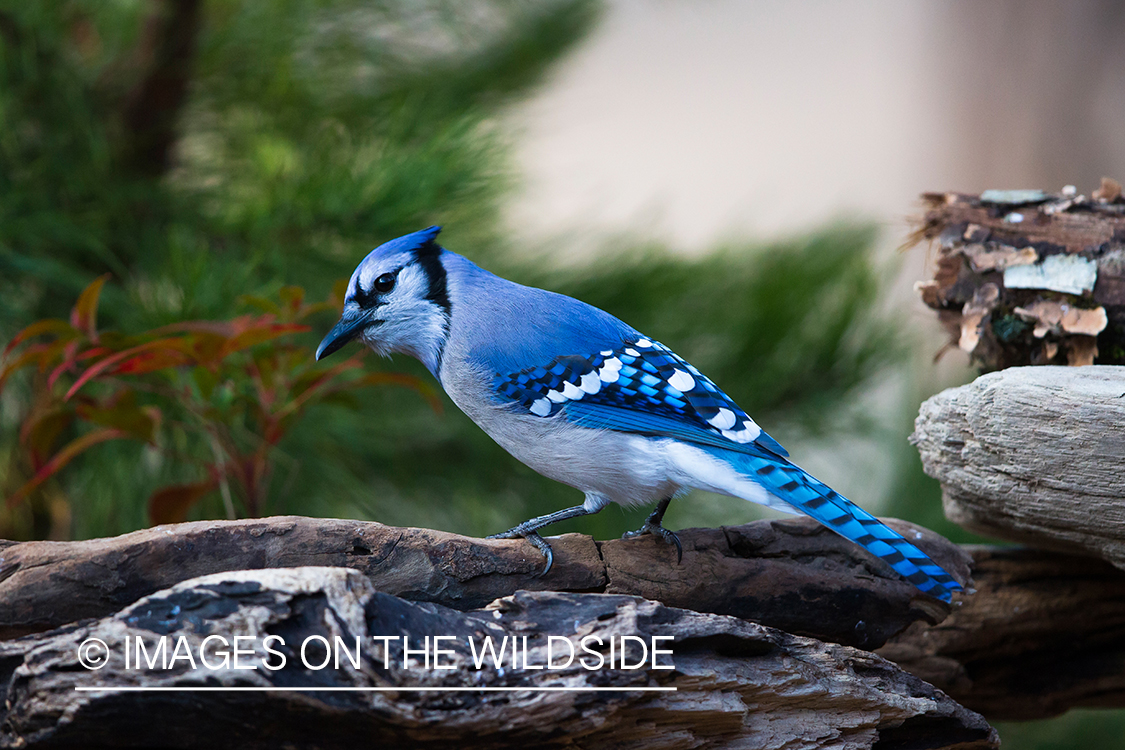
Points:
384	283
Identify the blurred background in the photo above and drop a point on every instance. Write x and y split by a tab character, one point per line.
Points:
733	178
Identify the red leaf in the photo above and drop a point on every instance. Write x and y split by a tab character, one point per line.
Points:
171	504
59	327
108	362
423	388
71	358
40	431
317	307
151	361
325	386
223	328
84	316
256	336
309	383
207	348
39	354
122	413
68	453
291	298
263	304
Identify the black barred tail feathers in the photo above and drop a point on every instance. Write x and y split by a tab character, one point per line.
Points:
814	498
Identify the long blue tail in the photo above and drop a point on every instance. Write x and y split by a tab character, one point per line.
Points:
814	498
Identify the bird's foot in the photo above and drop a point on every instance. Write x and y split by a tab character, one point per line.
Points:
529	530
654	528
534	539
513	533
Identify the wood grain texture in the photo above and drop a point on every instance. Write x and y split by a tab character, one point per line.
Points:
793	574
1033	454
738	684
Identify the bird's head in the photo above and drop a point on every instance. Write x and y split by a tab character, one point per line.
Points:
397	301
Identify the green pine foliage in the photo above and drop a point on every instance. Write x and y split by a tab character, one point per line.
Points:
307	133
308	130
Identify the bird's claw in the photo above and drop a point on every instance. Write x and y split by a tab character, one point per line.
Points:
534	540
657	530
540	544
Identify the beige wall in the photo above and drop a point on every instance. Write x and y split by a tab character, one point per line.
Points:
695	120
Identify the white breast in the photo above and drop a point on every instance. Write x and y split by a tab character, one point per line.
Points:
607	465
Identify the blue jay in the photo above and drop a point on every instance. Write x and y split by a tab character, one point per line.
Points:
583	398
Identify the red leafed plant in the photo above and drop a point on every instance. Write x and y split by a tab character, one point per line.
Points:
237	385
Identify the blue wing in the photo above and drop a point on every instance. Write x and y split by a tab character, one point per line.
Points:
642	387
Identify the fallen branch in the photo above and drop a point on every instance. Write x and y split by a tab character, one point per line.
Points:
792	574
735	682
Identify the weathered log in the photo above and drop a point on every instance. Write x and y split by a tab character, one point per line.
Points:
1033	454
735	683
1025	277
1044	633
792	574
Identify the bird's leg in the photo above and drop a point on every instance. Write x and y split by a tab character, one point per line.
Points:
529	531
652	526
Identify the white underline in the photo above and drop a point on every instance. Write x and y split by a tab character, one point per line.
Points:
210	689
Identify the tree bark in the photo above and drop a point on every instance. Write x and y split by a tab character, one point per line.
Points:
792	574
1033	454
1025	277
152	110
735	683
1044	632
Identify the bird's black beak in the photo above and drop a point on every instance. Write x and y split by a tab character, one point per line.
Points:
346	329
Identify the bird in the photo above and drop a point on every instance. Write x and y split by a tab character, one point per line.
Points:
585	399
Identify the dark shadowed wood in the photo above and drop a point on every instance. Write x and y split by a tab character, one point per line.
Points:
1044	633
793	574
736	683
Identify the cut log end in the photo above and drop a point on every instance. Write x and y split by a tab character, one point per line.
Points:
1034	455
